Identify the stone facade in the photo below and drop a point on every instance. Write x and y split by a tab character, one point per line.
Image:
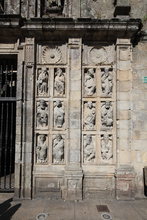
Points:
81	110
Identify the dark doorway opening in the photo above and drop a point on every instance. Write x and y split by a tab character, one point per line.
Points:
8	79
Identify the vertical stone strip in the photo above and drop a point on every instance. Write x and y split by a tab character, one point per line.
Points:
27	139
125	172
76	8
73	173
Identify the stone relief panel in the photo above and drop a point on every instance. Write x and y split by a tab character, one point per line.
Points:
99	55
59	82
89	148
42	149
58	149
42	81
106	82
50	54
59	114
42	114
89	122
89	82
106	115
106	147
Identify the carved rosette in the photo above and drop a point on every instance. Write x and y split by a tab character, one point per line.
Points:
51	55
42	149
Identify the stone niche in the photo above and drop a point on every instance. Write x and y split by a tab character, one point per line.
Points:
51	8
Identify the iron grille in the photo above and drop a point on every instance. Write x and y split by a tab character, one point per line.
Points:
8	75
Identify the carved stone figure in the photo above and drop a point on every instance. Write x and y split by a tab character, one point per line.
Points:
89	151
106	83
41	149
107	114
59	114
59	83
53	3
58	149
42	82
42	114
106	147
90	82
90	116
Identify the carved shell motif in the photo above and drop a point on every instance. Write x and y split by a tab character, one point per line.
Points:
51	55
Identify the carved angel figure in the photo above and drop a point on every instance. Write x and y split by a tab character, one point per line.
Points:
59	114
58	149
106	82
41	150
90	82
59	83
107	114
89	151
106	147
90	116
42	114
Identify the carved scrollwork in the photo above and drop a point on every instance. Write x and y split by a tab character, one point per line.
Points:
107	115
58	149
42	82
42	114
59	82
90	82
106	147
89	149
41	149
89	115
106	82
59	114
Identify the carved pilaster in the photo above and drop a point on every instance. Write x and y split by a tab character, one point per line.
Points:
124	109
73	174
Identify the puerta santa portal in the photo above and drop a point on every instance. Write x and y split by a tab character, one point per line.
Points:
73	91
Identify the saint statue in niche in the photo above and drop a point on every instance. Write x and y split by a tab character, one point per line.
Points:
106	82
41	150
106	147
58	149
42	114
90	116
90	82
59	83
107	114
89	151
42	82
59	114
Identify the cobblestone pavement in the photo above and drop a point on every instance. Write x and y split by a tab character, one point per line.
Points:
72	210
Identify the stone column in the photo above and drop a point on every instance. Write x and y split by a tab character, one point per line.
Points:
24	147
73	172
124	172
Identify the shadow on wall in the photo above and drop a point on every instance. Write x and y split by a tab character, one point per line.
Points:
7	210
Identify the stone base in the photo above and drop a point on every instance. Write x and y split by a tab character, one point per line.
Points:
73	182
125	186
